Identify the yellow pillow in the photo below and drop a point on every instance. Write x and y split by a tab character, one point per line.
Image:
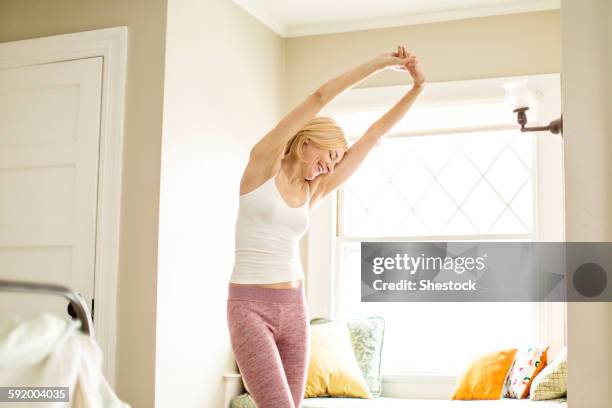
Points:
333	369
484	377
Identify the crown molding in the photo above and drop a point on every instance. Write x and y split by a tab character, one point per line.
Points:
286	31
260	13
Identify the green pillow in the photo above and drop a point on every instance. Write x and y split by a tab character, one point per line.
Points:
367	339
551	382
243	400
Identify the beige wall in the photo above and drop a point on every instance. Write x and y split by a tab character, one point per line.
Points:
608	103
588	182
608	48
146	19
223	91
464	49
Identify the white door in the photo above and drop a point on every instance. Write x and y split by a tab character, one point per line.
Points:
49	156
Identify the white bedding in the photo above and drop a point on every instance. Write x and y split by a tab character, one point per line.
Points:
384	402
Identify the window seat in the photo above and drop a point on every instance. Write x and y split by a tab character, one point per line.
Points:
244	401
237	397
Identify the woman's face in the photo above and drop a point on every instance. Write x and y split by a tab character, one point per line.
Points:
319	161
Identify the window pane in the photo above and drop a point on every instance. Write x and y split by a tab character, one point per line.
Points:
433	337
471	183
457	184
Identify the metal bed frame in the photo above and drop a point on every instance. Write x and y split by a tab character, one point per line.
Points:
76	303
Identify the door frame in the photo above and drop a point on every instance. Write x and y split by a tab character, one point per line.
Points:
110	44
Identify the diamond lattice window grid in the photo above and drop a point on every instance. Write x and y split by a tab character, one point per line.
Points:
473	183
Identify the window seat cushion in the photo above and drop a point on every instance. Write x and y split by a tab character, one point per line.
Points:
386	402
245	401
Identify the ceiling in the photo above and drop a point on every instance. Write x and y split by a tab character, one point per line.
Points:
294	18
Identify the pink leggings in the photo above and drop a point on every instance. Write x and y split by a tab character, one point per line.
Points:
269	332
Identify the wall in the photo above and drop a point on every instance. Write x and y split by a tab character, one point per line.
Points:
608	48
451	50
146	19
588	175
223	91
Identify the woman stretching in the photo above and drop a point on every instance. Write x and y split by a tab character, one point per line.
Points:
300	161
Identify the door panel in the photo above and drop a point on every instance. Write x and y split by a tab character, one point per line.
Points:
49	158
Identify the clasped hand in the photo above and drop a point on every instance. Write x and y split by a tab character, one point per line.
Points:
401	60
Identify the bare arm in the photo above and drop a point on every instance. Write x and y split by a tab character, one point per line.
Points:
277	138
355	155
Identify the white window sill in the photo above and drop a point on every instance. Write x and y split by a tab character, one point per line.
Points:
420	378
418	385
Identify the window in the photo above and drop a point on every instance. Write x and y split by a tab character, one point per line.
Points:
455	168
475	183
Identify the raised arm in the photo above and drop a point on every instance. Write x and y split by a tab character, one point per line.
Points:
355	155
277	138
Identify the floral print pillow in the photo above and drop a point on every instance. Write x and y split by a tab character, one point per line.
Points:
528	362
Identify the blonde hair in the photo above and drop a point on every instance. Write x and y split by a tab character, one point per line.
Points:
322	131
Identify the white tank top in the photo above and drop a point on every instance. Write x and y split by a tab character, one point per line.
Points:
268	233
